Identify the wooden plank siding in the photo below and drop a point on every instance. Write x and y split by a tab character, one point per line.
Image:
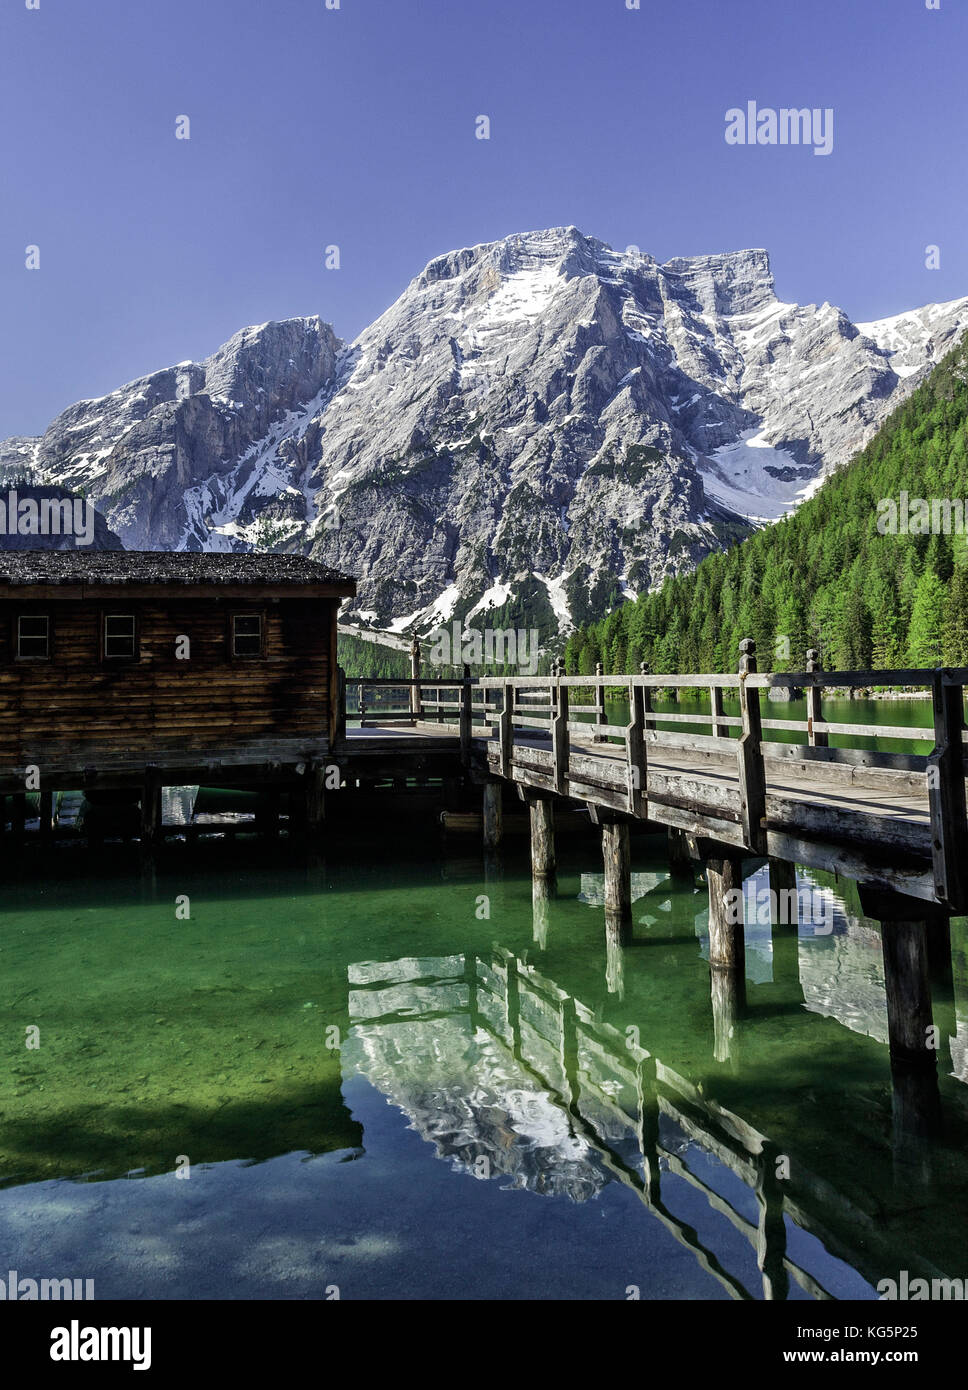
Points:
59	708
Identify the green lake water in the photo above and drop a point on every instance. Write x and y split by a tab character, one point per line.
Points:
394	1074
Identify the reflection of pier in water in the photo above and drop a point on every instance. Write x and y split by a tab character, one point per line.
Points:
507	1074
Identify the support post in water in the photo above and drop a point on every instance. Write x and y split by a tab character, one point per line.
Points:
493	814
784	903
542	815
616	856
46	817
150	809
727	940
680	860
315	794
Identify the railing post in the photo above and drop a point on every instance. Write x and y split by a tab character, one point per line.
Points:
720	730
600	715
814	712
646	696
752	774
466	716
361	704
637	770
415	702
506	729
946	794
339	723
559	734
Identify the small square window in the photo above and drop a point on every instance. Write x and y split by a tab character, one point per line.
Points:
120	637
247	634
33	639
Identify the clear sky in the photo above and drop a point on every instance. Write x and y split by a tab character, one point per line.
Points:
356	127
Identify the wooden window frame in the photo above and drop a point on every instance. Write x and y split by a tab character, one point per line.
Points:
135	657
260	655
18	656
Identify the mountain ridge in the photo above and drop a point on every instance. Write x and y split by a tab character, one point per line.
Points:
535	425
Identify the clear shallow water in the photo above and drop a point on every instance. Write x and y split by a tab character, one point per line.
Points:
466	1138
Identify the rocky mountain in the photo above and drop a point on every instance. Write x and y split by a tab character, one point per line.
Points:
534	426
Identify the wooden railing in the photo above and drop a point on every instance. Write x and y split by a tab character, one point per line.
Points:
553	734
524	711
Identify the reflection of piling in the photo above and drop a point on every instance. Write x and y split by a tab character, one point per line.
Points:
771	1229
727	952
542	891
785	922
910	1025
615	944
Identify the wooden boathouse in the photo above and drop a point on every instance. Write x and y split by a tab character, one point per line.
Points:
126	670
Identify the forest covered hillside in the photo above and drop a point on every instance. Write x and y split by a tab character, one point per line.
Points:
835	575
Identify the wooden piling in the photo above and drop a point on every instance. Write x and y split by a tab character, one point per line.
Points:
46	817
151	809
814	709
680	860
315	799
785	904
616	856
493	814
542	815
727	940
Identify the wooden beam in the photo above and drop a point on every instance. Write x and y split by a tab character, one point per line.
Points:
946	796
752	778
560	738
814	711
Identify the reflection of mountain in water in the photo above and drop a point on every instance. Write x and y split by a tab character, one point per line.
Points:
511	1077
458	1084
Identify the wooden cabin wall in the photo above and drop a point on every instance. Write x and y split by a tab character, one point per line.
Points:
211	701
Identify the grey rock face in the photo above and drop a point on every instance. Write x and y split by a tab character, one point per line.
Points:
162	455
535	422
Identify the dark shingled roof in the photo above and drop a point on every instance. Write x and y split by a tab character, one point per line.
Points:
23	567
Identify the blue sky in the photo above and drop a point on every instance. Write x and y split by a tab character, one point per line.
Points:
355	126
